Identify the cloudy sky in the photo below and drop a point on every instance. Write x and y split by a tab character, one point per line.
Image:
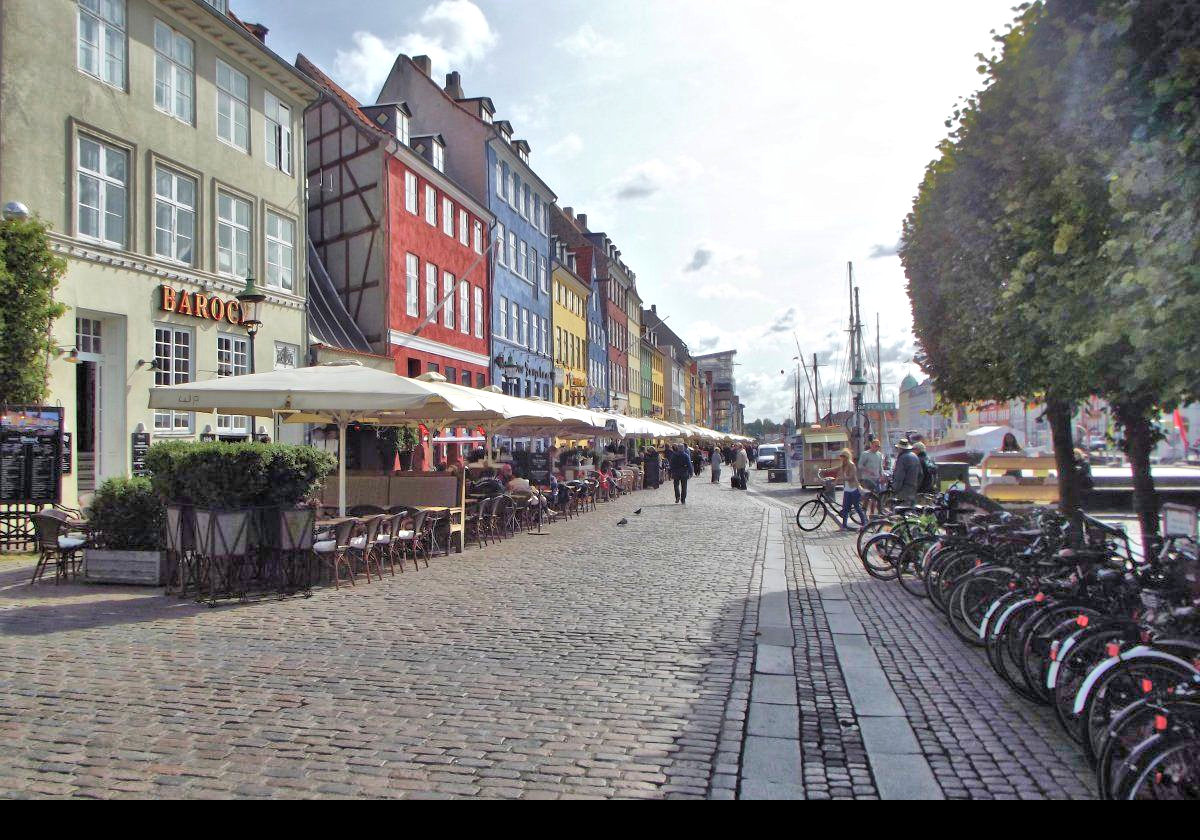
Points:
739	154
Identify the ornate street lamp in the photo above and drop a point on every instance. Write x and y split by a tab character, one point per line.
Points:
250	298
858	384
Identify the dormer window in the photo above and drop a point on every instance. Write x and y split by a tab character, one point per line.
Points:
506	136
524	155
221	6
439	156
485	114
402	127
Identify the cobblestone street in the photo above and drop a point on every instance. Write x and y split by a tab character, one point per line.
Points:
699	651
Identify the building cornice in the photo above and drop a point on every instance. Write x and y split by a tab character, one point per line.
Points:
425	345
162	271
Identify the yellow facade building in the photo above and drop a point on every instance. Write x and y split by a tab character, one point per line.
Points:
658	390
570	331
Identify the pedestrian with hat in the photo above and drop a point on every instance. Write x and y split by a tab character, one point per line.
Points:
906	475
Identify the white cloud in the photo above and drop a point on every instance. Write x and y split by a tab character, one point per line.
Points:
453	33
586	42
568	147
651	177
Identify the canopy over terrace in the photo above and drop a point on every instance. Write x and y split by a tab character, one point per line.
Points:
340	392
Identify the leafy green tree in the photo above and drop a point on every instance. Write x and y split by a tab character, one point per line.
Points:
29	274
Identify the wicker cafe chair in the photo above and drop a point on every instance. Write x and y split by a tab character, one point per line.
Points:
412	540
385	540
295	550
54	545
476	513
363	549
223	543
334	551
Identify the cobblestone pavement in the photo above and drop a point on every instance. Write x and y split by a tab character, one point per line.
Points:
697	651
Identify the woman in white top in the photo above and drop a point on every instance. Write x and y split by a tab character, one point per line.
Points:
851	492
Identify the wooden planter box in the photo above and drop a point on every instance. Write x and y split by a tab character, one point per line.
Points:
144	568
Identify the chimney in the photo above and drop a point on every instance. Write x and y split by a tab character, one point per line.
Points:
424	64
582	219
257	30
569	212
654	309
454	85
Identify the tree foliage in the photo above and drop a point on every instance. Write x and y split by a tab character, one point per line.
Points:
29	274
1052	247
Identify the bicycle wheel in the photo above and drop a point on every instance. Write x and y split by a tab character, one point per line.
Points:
970	599
875	525
1170	771
1039	638
911	565
944	581
1124	685
811	515
1078	654
881	556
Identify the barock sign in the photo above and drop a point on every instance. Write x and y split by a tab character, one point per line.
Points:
199	305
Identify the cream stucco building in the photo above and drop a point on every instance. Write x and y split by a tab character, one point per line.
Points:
159	138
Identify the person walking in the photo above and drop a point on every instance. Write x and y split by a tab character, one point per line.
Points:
870	467
851	492
697	460
680	465
741	466
715	460
906	475
929	476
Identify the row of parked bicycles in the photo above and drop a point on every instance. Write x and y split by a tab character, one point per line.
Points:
1071	618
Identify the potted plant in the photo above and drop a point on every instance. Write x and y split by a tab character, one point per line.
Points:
126	518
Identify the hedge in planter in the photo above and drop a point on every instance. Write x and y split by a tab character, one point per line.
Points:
127	515
237	475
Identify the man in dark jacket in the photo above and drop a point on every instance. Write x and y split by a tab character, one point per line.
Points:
680	464
906	476
929	475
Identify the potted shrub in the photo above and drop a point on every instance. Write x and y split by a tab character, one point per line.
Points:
126	518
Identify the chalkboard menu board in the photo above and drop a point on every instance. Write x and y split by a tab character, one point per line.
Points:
31	460
539	467
138	449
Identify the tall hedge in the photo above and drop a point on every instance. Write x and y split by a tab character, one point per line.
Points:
237	475
29	274
127	515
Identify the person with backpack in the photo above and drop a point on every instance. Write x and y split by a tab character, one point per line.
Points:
741	467
906	474
928	482
680	465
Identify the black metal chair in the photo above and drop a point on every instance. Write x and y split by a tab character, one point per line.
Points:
334	551
364	549
55	545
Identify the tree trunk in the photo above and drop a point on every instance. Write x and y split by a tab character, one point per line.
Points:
1058	412
1135	420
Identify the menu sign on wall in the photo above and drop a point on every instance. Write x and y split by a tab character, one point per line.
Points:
138	449
539	467
31	460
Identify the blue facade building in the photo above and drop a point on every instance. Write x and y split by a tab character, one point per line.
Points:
597	345
522	335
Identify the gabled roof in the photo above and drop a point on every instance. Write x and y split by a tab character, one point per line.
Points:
328	319
353	105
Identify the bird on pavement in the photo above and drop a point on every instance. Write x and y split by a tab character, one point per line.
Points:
623	522
637	512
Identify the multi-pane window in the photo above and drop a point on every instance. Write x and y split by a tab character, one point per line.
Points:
543	336
464	309
174	215
447	217
533	331
448	299
233	359
431	274
515	200
277	132
412	289
522	259
526	204
101	50
402	127
173	353
233	236
281	252
477	239
439	157
499	179
410	193
512	250
233	106
173	72
515	323
503	331
102	205
463	229
524	327
501	248
87	335
431	205
543	280
478	312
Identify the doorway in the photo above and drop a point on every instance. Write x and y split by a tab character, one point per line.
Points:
88	402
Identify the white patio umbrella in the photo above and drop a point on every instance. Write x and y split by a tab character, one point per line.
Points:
341	392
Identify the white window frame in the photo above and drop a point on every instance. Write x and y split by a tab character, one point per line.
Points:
283	267
512	250
277	133
402	127
431	276
108	28
464	308
447	300
412	285
522	259
503	331
228	365
176	206
238	105
542	274
478	294
514	328
524	327
412	190
106	185
431	205
448	217
439	156
499	179
464	225
477	238
180	73
171	372
501	246
235	228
